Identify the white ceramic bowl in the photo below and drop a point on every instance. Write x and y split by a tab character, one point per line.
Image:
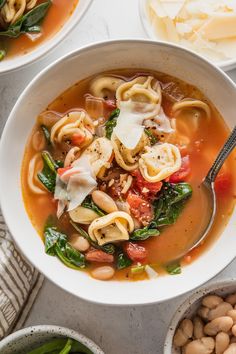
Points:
225	65
46	87
19	61
30	338
191	304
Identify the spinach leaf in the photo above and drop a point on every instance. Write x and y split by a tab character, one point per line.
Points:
173	268
2	3
152	138
48	175
56	245
137	269
123	261
27	22
144	233
46	134
89	204
57	345
2	54
111	122
67	347
108	248
170	203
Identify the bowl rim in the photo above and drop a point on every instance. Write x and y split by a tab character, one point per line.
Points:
53	329
187	303
49	44
226	65
3	205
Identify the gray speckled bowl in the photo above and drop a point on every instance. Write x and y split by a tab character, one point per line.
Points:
190	306
31	337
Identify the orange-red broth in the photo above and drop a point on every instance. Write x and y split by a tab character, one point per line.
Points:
57	15
203	148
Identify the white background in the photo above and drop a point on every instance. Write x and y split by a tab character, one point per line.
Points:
127	330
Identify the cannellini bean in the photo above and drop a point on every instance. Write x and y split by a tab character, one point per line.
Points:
231	299
104	201
198	327
183	333
233	340
233	329
211	301
103	273
83	215
79	242
203	312
204	345
221	342
231	349
219	324
220	310
232	314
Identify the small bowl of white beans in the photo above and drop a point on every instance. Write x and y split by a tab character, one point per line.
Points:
206	322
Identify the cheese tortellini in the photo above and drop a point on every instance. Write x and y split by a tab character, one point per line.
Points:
100	154
105	86
128	158
12	10
73	123
112	227
143	89
159	162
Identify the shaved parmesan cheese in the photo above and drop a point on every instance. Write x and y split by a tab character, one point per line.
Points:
74	185
129	127
200	25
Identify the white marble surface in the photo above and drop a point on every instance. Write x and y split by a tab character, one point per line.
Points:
130	330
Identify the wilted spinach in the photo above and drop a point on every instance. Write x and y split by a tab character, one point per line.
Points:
56	245
152	138
170	203
61	346
46	134
89	204
48	174
2	54
111	122
144	233
2	3
123	261
30	22
174	268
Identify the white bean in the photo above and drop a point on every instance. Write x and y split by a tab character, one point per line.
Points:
104	201
220	310
204	345
219	324
198	327
233	329
79	242
231	299
103	273
232	314
183	333
231	349
203	312
211	301
222	342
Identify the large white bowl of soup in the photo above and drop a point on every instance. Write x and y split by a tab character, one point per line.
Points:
102	158
31	28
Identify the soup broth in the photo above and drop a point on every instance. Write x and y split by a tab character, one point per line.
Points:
185	120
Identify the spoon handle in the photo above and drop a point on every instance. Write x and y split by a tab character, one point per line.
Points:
224	153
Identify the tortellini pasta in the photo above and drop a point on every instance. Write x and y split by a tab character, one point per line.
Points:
128	158
159	162
192	104
143	89
14	9
112	227
105	86
100	154
76	123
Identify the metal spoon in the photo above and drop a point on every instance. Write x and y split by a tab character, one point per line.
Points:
208	185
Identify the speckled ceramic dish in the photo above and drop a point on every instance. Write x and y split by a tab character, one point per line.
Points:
31	337
190	305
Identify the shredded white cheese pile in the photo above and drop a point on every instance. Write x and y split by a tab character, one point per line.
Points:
205	26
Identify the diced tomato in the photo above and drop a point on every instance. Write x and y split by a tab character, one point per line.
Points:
99	256
147	189
110	104
223	183
77	139
140	208
184	171
135	252
62	170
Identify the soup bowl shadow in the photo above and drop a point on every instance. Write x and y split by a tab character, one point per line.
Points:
51	82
